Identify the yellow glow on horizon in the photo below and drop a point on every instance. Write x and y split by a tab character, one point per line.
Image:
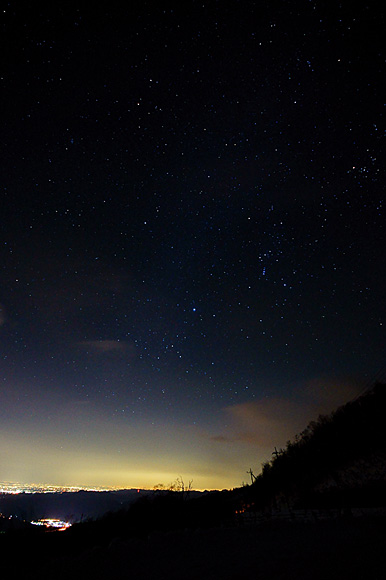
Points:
82	447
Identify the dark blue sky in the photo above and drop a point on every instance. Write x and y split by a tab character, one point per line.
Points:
192	240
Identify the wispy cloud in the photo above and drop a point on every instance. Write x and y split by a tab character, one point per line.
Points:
261	422
271	422
220	438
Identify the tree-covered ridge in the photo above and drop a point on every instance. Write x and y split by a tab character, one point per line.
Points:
340	455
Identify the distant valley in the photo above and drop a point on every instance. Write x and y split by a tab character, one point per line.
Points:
68	506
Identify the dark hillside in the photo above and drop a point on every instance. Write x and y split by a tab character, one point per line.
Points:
338	460
333	549
161	513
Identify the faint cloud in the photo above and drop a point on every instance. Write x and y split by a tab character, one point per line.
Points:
71	298
262	422
273	421
326	394
220	439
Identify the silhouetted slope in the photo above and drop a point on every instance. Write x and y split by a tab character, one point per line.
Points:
340	456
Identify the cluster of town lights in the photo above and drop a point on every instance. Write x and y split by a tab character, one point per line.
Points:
14	488
52	523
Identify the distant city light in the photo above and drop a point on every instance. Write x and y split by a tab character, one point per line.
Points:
52	523
15	488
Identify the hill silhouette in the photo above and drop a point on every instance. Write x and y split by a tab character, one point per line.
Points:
338	461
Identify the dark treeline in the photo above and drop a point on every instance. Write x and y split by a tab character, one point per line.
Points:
161	512
152	516
339	460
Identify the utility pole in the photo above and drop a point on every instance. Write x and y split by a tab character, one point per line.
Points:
276	453
253	476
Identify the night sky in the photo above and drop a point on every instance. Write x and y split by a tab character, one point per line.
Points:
192	233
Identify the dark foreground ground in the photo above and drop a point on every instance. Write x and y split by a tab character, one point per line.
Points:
336	549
